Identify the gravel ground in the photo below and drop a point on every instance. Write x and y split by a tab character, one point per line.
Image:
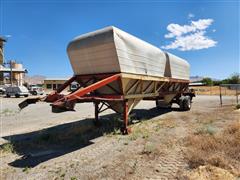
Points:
39	116
87	152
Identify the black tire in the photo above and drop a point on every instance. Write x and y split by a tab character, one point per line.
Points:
185	103
34	93
8	96
17	95
163	106
97	123
25	95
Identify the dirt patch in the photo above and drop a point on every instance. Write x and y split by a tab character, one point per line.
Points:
208	173
217	149
154	150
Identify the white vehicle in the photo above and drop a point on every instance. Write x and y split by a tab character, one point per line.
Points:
2	90
17	91
74	86
36	90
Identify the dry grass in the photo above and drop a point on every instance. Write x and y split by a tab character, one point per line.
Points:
213	90
220	149
6	148
73	136
145	129
140	130
8	112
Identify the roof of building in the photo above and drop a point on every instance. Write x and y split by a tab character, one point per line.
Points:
197	84
7	69
56	79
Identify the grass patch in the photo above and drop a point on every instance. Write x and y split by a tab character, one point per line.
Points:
145	129
218	149
7	148
139	132
116	131
158	127
62	175
208	129
9	112
168	123
62	137
26	170
149	148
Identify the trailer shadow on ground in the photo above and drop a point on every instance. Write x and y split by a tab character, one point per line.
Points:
39	146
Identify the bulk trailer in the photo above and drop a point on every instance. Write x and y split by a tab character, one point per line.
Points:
116	70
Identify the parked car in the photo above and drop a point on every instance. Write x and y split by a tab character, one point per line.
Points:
74	86
36	90
17	91
2	90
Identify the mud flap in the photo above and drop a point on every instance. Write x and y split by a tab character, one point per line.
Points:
26	102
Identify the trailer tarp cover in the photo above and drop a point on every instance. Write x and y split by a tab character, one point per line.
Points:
112	50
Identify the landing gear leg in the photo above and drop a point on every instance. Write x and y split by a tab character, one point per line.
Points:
96	120
125	129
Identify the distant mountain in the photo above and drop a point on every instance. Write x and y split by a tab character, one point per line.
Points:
196	78
36	79
200	78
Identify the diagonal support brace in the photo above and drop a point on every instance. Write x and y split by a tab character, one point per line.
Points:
66	101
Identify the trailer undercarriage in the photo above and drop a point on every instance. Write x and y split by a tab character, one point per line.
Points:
119	92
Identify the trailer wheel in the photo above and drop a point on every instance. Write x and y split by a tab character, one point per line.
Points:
185	103
162	105
97	123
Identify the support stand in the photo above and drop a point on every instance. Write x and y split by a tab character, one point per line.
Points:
125	129
96	120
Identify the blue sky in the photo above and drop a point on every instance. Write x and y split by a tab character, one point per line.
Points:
205	33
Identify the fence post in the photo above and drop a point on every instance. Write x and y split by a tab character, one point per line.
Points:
220	94
237	94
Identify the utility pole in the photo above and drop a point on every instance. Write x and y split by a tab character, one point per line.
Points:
11	74
10	63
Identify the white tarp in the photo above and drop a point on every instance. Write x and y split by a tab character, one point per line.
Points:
111	50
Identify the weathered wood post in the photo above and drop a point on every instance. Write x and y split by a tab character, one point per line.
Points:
220	94
237	94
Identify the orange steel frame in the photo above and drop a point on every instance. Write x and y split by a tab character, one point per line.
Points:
86	93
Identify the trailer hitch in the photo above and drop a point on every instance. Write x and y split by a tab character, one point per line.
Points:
62	106
67	102
54	96
26	102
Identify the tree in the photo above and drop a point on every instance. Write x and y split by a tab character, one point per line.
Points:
217	82
208	81
234	79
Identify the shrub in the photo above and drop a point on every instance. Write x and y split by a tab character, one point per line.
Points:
220	149
7	148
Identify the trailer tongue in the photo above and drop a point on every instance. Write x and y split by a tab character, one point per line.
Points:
116	71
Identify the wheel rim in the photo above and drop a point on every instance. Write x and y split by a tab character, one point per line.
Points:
189	104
